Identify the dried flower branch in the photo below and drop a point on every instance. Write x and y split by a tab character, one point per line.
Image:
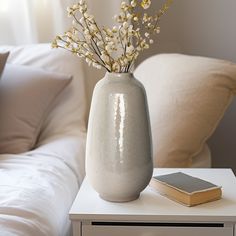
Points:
114	49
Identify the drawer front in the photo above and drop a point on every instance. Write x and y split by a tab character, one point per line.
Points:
91	230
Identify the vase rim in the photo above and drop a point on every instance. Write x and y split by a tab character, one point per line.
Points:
119	73
115	75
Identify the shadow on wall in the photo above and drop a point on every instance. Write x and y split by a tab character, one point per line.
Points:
223	142
205	28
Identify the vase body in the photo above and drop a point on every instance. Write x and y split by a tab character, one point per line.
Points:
119	161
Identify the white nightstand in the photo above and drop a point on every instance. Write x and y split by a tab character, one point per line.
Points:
155	215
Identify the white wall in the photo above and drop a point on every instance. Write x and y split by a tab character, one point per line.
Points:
201	27
209	28
206	28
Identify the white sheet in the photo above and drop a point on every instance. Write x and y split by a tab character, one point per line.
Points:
37	188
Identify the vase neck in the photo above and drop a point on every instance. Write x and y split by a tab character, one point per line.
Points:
119	76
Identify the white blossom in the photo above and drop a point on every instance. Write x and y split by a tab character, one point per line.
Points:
130	49
133	3
125	25
146	4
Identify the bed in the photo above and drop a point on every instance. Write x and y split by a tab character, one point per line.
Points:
38	187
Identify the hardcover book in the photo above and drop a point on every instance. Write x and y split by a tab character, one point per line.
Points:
186	189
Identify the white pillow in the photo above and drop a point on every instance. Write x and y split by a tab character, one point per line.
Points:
69	116
187	98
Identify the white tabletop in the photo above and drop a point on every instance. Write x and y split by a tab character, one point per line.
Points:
151	206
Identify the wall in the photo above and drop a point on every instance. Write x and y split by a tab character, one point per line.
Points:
206	28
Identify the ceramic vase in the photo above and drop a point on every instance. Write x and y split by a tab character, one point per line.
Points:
119	147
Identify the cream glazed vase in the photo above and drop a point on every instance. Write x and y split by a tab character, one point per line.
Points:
119	147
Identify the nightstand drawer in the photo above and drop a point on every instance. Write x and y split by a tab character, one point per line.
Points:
152	230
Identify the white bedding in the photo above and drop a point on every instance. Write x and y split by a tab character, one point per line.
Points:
37	188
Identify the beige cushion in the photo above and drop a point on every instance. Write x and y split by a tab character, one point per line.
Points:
27	96
187	98
3	59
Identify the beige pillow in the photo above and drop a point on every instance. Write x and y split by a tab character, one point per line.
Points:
187	98
3	59
27	96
